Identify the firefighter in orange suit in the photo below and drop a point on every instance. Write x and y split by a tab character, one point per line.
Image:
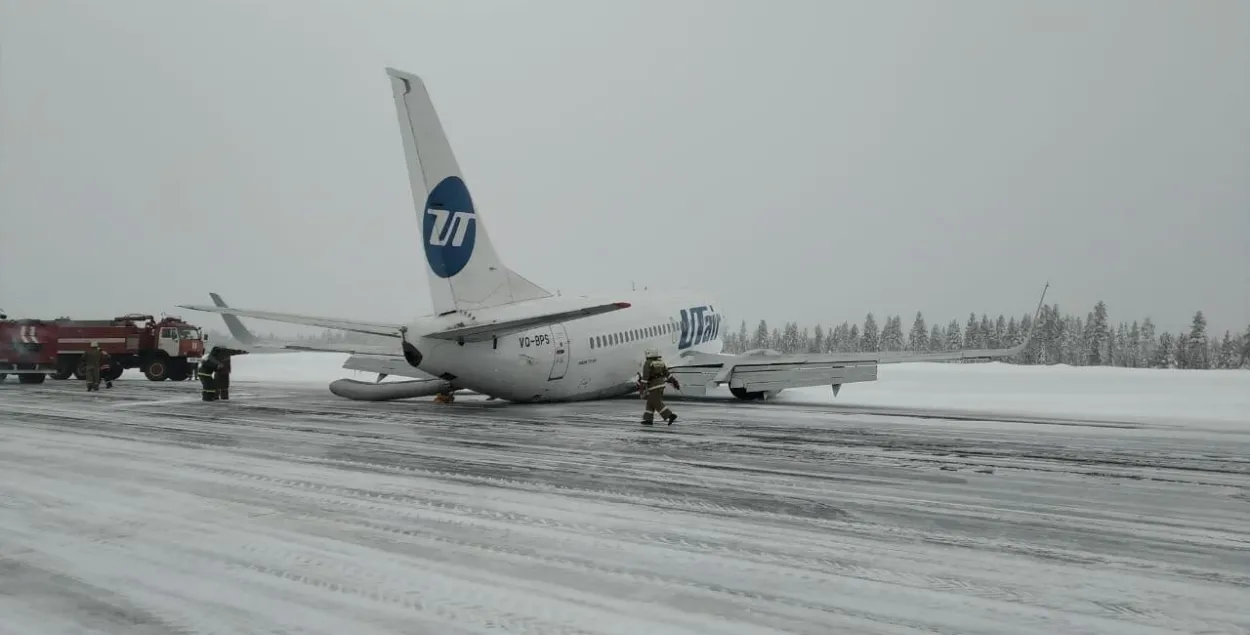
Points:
654	377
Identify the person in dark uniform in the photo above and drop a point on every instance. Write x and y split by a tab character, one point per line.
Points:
94	360
654	377
222	374
106	363
208	365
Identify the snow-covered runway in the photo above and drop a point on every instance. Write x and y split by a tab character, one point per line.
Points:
287	510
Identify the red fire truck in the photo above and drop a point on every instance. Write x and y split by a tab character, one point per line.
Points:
27	349
163	349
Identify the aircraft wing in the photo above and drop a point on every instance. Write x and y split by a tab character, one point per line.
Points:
489	330
351	349
756	372
355	326
484	331
254	344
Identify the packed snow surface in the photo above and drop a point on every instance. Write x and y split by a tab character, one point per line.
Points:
1159	395
287	510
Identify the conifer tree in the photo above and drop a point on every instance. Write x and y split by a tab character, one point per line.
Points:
870	340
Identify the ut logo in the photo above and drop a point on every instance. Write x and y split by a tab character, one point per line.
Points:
449	227
698	325
441	233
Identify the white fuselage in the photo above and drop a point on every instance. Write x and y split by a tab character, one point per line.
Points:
587	358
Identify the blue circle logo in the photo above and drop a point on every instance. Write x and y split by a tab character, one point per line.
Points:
449	227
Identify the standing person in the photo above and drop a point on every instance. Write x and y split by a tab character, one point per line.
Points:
222	375
208	365
106	363
655	375
93	359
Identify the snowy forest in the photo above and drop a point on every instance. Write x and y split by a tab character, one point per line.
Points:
1089	340
1092	340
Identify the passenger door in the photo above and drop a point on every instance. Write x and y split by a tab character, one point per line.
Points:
560	342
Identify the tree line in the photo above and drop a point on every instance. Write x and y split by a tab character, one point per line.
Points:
1060	338
1092	340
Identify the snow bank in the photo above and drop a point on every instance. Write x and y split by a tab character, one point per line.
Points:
1169	396
298	368
1141	394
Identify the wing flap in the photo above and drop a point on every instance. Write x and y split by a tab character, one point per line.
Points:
384	365
777	372
759	374
274	347
355	326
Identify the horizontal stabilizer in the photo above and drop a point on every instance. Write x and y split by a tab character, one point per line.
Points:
356	326
499	328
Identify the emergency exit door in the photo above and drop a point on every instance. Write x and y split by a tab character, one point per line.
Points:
559	340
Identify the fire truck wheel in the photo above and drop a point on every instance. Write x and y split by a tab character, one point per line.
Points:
2	376
31	378
62	373
80	371
156	370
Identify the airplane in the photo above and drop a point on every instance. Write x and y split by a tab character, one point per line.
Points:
497	333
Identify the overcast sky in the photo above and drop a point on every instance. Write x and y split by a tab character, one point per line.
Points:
799	160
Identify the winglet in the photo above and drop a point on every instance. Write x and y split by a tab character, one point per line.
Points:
994	353
233	323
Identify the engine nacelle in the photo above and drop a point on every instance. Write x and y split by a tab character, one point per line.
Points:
412	355
757	395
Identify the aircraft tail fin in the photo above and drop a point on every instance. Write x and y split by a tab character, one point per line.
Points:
464	271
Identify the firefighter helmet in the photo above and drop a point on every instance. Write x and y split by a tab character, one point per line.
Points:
652	353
